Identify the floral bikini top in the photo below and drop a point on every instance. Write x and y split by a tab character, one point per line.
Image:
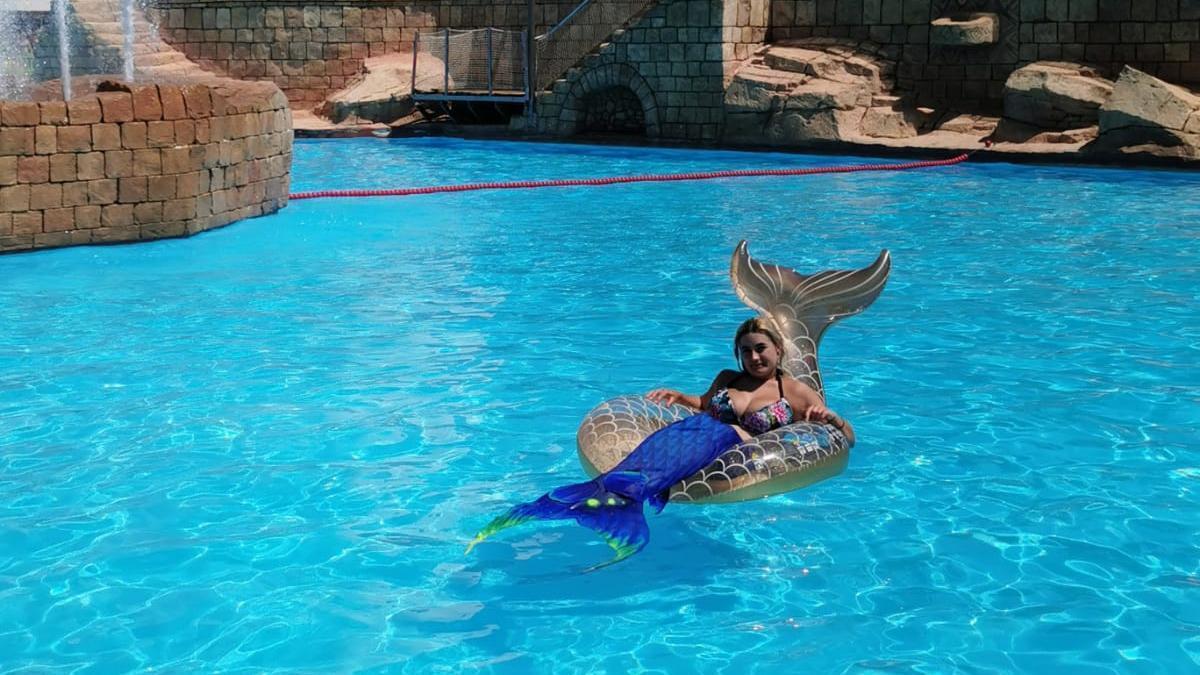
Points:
760	421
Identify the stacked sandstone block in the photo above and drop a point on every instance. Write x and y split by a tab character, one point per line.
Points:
151	162
307	51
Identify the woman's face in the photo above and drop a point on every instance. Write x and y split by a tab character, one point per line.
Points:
760	356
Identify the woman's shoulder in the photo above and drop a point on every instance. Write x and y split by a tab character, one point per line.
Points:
725	377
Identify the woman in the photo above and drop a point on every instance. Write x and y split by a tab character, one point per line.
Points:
759	397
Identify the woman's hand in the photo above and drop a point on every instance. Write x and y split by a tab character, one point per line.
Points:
666	396
819	413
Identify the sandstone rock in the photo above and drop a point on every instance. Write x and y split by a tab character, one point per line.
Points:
1011	131
1053	95
1154	141
383	92
971	125
824	95
796	59
847	68
1145	115
802	125
1139	99
1069	136
758	88
968	30
889	122
818	89
1193	123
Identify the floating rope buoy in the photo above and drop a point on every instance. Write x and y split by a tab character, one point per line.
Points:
616	180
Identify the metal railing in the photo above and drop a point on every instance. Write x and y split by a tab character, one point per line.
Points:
484	64
490	64
584	28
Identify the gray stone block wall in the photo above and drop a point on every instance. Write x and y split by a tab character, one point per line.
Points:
684	50
677	59
315	47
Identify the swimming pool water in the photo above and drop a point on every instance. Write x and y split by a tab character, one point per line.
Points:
264	448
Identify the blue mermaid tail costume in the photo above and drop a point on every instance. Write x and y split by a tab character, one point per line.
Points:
611	503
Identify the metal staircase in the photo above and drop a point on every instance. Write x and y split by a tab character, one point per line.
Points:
573	43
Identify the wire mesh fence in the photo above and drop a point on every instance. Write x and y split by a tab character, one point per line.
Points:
491	61
484	61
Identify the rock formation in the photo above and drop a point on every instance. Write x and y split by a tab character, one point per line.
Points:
1055	95
383	92
1146	115
968	30
814	90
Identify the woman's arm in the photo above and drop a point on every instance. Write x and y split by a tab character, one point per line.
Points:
669	396
810	407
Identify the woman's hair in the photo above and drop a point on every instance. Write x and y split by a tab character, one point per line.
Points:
756	325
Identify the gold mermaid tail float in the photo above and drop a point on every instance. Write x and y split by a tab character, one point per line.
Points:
801	307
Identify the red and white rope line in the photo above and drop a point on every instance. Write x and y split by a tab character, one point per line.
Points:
616	180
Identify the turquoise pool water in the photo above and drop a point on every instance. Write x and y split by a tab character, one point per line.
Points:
264	448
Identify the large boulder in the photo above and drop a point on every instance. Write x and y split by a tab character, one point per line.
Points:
758	88
1141	100
1147	115
1055	95
799	125
819	111
383	92
889	118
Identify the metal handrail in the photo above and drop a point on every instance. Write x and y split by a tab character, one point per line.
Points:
588	25
564	21
416	50
535	48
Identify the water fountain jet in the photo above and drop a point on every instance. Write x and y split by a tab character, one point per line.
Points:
64	46
127	32
18	21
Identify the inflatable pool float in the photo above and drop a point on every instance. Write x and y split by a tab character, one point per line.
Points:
791	457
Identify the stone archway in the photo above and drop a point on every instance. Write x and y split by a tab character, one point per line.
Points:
607	94
613	110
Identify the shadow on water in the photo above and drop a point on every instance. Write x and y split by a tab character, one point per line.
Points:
552	562
483	603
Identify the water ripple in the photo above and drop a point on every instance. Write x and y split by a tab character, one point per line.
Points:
264	448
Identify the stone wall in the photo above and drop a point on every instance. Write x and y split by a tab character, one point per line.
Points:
310	49
684	50
677	59
1161	37
86	55
145	163
616	109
